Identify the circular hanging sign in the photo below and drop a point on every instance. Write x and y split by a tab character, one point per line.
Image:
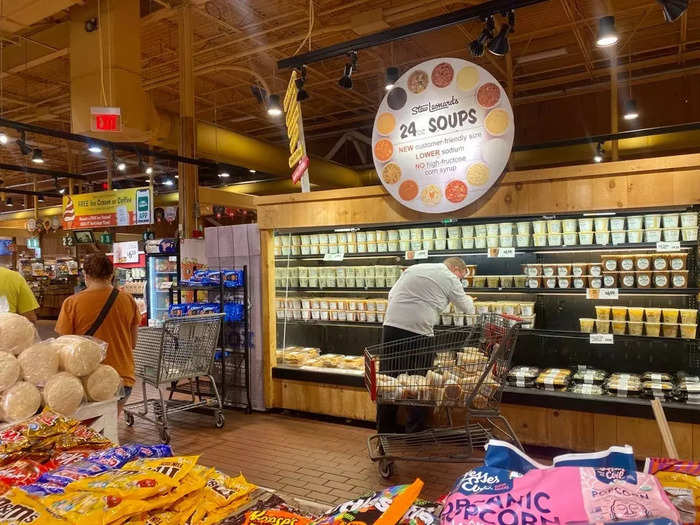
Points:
442	135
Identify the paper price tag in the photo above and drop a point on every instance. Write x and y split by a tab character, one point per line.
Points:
336	257
601	339
501	252
414	255
668	246
602	293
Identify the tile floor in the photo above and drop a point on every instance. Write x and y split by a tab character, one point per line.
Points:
315	460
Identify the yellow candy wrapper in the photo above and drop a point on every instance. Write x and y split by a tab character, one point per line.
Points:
217	515
159	517
187	506
17	508
222	490
175	468
85	508
192	482
125	483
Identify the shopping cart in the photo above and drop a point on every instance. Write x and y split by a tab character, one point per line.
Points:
183	348
458	371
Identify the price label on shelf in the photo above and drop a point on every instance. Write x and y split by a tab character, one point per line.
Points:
668	246
602	293
336	257
414	255
501	252
601	339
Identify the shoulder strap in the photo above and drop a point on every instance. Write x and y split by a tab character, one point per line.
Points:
103	313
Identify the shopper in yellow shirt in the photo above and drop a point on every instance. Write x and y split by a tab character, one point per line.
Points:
16	296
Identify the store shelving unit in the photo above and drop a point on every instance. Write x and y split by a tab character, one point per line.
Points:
232	361
554	342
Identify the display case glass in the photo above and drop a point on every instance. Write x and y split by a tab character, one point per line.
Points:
162	275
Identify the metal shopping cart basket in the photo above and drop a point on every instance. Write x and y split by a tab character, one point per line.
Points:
183	348
458	371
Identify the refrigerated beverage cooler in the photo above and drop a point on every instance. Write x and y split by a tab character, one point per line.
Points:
162	264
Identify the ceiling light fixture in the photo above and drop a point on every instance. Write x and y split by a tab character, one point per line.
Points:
3	138
599	152
253	171
607	34
274	109
345	81
62	191
499	45
40	198
9	203
168	182
224	174
673	9
391	76
22	143
121	166
631	111
94	148
299	83
37	156
149	170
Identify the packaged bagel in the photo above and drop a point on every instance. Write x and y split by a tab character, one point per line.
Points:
660	389
554	379
589	376
523	376
587	389
656	376
624	385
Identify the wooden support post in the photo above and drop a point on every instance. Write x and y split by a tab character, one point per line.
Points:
510	91
35	198
188	181
110	169
614	115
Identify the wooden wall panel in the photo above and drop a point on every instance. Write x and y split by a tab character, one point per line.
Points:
331	400
531	424
642	434
572	430
604	431
683	437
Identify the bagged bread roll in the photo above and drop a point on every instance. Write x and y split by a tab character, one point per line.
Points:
39	362
79	355
19	402
9	371
17	332
64	393
102	384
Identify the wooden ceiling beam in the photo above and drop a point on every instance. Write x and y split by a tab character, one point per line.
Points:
582	44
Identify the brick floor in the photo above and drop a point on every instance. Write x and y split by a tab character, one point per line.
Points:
314	460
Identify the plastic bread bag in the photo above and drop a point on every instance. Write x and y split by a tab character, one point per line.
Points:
39	362
9	370
103	384
488	496
64	393
18	333
80	355
20	401
385	507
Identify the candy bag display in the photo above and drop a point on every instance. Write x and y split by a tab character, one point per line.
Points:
21	472
222	490
125	483
87	508
266	502
17	508
174	468
680	481
64	476
265	517
385	507
79	436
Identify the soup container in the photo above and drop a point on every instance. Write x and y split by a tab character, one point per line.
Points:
586	325
652	329
595	281
527	308
689	316
523	228
404	246
539	226
554	226
570	239
550	282
522	240
428	233
373	247
619	313
602	312
554	239
492	229
468	243
618	327
532	269
392	235
662	279
625	263
492	241
627	279
618	237
679	279
601	224
540	239
534	282
505	228
688	331
467	230
405	234
580	281
585	224
602	327
585	237
393	246
454	232
520	281
670	329
689	234
671	234
492	281
602	237
670	220
510	308
635	328
610	279
507	281
636	313
441	232
634	236
643	262
595	269
652	235
652	220
689	219
415	245
549	270
569	225
578	269
670	315
617	224
563	270
635	222
454	243
653	315
506	241
609	262
564	282
677	261
480	229
479	281
441	243
479	242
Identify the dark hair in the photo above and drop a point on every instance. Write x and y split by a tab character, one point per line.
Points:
98	266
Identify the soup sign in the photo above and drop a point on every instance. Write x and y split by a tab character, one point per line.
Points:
442	135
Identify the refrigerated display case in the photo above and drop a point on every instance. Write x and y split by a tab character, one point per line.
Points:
162	274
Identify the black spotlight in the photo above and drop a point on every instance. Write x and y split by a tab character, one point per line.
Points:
22	143
392	75
607	34
631	111
478	46
274	108
345	81
9	203
301	92
599	153
40	198
499	46
673	9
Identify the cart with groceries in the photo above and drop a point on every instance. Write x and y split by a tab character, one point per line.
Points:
458	373
183	348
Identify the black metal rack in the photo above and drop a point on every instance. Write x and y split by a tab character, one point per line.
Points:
232	366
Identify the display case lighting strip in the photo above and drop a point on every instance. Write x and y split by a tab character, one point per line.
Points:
343	230
599	214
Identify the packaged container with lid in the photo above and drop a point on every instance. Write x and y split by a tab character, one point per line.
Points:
652	235
467	230
554	239
602	326
677	261
554	379
636	313
579	269
569	225
532	270
539	226
626	263
602	312
618	327
602	237
662	279
570	238
579	281
635	222
689	219
520	281
586	389
427	233
624	385
595	281
634	236
689	234
507	281
679	279
550	282
428	244
563	270
585	224
395	246
479	281
627	279
523	376
619	313
405	234
441	243
522	240
454	232
554	226
670	315
506	241
549	269
492	281
671	234
534	282
642	262
480	229
589	376
652	329
586	325
610	279
652	220
492	241
479	242
585	237
688	316
468	243
635	327
653	315
669	220
595	269
669	329
564	282
617	224
505	228
539	239
688	330
601	224
618	237
527	308
609	262
441	232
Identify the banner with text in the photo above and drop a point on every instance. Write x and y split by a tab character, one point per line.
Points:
107	208
442	135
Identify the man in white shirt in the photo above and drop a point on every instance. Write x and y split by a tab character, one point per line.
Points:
416	301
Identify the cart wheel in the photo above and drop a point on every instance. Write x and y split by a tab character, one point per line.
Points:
164	436
129	418
386	468
220	421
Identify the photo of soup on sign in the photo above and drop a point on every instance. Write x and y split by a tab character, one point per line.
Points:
443	135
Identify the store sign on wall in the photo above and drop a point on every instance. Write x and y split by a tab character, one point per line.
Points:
443	135
125	252
108	208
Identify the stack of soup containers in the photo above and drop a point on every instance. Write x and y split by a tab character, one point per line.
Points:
653	322
341	309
